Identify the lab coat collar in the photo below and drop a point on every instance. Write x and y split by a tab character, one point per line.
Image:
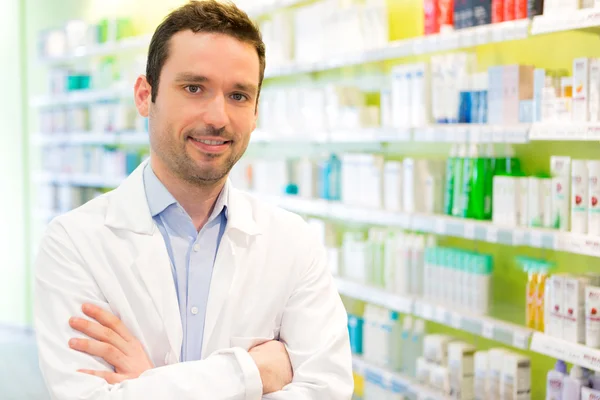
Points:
128	207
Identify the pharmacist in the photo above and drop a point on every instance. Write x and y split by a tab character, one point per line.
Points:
176	285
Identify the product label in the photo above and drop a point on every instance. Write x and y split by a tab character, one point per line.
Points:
578	200
554	389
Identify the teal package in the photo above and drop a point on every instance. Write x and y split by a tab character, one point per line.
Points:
355	329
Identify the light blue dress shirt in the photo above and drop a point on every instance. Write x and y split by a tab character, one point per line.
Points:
192	256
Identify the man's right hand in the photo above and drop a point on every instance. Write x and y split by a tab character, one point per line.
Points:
274	365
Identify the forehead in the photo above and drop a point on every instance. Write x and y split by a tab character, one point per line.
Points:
215	55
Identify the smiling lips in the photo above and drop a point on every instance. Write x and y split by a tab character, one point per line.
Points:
210	145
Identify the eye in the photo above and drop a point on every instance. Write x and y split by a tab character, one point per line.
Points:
193	89
239	97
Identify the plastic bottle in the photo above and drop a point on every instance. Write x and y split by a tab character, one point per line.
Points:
449	188
467	175
390	261
555	381
490	165
476	203
417	265
406	357
573	383
595	381
335	178
457	195
507	163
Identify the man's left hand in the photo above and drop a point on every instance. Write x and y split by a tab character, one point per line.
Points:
113	343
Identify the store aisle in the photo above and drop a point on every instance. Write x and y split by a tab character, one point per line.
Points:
20	377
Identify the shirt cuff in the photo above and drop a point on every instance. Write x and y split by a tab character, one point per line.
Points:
252	380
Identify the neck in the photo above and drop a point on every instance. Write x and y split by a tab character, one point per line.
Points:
197	200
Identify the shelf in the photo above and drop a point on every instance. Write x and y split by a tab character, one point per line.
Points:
566	21
394	381
79	180
490	328
90	138
563	350
463	38
80	97
564	131
443	225
135	43
473	133
359	135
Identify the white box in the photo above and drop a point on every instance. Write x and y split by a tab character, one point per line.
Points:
579	196
581	87
557	305
516	378
481	380
594	90
534	204
496	368
574	309
461	367
392	177
561	188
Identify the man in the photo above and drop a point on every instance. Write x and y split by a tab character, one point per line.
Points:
176	285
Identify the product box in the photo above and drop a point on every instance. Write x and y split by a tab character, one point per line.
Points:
481	384
393	186
560	168
435	348
497	11
594	90
518	85
546	202
482	12
593	198
555	321
581	87
446	15
420	95
509	10
496	368
589	394
574	309
592	317
461	366
539	81
579	196
431	11
522	200
521	9
496	95
439	379
463	14
424	368
534	8
516	377
535	202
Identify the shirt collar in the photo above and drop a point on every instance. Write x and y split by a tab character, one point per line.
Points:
159	198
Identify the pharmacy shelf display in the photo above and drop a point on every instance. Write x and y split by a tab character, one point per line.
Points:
443	225
564	131
566	21
90	138
464	38
570	352
393	381
490	328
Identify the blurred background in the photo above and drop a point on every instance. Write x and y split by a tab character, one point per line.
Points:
445	151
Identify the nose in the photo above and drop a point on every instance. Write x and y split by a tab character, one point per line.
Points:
216	113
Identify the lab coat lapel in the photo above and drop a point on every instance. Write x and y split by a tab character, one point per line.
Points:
154	267
128	210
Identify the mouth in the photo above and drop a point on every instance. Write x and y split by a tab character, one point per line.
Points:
212	146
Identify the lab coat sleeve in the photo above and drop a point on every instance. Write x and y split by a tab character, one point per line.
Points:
314	330
62	285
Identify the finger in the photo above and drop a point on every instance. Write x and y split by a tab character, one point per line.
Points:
98	332
107	352
110	377
108	320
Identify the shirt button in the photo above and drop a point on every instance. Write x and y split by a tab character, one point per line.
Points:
194	310
196	247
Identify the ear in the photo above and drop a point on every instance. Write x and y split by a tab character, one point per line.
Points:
142	95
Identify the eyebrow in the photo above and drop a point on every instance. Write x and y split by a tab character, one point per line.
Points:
188	77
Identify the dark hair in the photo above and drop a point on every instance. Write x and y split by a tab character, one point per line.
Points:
210	16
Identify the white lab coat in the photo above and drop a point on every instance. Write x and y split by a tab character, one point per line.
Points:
270	280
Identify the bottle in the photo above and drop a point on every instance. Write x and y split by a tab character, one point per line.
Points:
555	381
595	381
490	165
457	195
507	163
467	175
573	383
449	189
405	348
335	178
416	347
477	207
417	266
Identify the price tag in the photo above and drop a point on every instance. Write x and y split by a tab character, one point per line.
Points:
426	312
440	315
492	234
469	231
535	239
518	237
456	321
488	330
440	226
521	340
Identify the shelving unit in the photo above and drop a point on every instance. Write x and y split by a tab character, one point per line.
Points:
444	225
566	21
395	381
81	97
567	351
464	38
481	325
90	138
565	131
